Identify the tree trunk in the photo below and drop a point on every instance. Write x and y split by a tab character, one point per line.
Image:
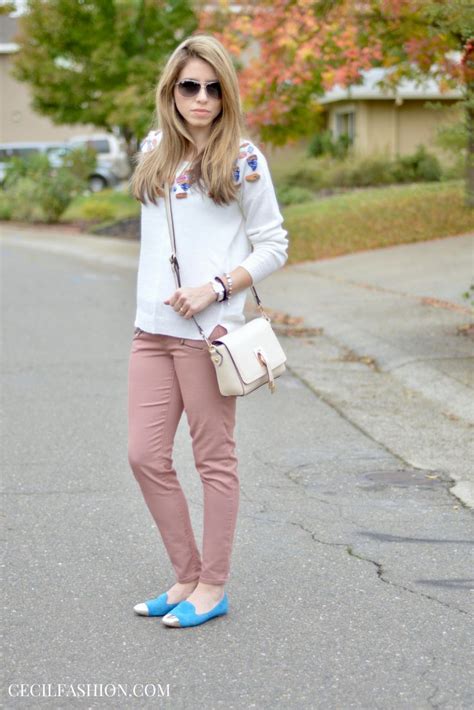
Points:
470	149
467	62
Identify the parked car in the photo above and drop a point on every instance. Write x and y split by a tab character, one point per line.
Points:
111	152
102	177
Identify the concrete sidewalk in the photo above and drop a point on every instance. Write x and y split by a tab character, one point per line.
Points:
401	305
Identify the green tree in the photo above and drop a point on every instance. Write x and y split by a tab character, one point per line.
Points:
98	62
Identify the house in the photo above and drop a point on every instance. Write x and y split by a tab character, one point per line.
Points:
391	122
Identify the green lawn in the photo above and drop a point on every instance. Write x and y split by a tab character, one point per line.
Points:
376	217
105	206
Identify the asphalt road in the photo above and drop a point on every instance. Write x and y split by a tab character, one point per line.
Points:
351	580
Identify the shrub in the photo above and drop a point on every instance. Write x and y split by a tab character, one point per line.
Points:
370	172
5	206
33	166
320	144
429	169
452	138
324	172
81	162
323	143
454	171
418	166
23	199
57	193
95	210
36	191
310	176
288	195
340	147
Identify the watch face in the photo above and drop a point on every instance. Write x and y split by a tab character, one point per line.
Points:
218	290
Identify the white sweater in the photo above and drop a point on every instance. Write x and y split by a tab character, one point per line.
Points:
210	240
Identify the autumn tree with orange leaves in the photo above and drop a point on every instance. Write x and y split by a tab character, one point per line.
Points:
295	50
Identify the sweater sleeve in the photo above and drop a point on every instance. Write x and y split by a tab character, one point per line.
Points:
263	221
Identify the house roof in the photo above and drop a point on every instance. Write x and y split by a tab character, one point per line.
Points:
368	89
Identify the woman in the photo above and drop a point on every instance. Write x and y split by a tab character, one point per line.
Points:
223	204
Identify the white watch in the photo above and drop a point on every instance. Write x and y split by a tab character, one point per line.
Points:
218	290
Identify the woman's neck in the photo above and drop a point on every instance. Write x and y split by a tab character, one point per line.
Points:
201	137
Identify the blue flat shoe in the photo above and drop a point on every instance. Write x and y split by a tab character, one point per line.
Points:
184	614
155	607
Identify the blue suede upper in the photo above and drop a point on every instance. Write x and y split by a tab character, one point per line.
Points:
185	611
159	606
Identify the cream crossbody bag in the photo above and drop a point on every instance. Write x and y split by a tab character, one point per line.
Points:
245	358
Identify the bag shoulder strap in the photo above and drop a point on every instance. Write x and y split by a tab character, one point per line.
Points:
171	233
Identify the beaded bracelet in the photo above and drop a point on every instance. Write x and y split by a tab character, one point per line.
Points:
229	283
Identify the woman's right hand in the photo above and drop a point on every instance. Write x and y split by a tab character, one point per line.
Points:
189	300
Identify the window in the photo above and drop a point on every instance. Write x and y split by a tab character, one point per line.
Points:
345	123
100	146
22	152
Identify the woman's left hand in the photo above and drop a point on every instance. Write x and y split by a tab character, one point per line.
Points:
189	300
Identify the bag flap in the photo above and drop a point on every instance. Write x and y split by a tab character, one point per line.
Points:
243	344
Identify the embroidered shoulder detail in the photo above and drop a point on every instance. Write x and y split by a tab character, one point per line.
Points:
182	185
246	148
247	153
150	141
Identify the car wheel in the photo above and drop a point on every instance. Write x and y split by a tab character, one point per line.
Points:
97	183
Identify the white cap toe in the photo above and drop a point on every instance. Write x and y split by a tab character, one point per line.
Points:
170	620
141	609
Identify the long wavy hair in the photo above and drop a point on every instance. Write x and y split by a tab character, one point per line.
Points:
212	168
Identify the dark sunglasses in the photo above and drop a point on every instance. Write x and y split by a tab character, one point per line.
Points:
189	88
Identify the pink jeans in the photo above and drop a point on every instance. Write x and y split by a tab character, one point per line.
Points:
166	375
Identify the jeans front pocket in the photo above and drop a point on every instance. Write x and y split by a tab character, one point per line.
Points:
194	344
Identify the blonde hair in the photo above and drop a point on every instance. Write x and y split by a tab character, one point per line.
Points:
212	169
